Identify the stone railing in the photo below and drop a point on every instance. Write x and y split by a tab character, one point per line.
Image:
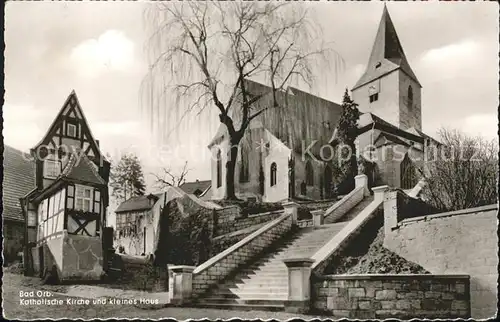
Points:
305	223
326	253
190	282
417	189
341	207
220	243
392	296
222	264
399	206
230	219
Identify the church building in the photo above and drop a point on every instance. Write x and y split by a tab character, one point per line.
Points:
281	155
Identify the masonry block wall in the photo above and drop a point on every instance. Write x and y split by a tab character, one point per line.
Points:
13	234
464	242
218	268
229	220
140	274
392	296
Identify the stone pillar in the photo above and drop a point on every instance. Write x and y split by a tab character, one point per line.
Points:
390	211
417	189
318	218
299	284
362	181
181	287
379	192
292	208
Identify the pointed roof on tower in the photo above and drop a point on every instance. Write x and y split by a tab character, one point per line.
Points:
387	54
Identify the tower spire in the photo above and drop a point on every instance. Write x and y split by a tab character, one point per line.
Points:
387	53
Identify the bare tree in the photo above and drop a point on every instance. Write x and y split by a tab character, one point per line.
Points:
462	173
170	179
211	49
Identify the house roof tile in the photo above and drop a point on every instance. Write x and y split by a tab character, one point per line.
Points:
81	168
138	203
191	187
19	179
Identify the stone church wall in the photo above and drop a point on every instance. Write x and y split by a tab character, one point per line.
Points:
279	154
314	191
409	116
387	105
461	242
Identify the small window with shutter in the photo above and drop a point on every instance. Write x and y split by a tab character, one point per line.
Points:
97	201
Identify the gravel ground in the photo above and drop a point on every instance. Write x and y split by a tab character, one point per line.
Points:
377	260
13	309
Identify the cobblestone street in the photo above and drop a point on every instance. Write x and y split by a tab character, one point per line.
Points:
14	309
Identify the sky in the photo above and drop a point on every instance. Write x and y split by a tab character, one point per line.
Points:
97	49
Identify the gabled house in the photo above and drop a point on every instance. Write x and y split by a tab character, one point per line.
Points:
286	152
65	212
197	188
135	223
138	220
18	180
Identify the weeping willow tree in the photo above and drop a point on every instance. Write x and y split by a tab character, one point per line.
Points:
204	53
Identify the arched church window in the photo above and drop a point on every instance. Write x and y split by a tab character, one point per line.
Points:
309	174
410	97
408	174
219	168
273	177
244	171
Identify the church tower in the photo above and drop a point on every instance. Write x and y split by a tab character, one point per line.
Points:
389	88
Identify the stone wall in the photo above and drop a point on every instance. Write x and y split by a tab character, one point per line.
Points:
463	242
220	266
392	296
81	257
13	240
138	273
229	220
223	242
314	191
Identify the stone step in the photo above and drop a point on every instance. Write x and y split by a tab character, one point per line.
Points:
249	298
261	277
265	282
274	281
252	289
242	307
280	258
351	214
257	288
279	284
277	266
253	274
302	247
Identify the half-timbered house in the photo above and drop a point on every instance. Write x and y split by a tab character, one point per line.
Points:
65	213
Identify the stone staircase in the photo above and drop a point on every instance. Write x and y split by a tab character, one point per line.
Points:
264	283
353	212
